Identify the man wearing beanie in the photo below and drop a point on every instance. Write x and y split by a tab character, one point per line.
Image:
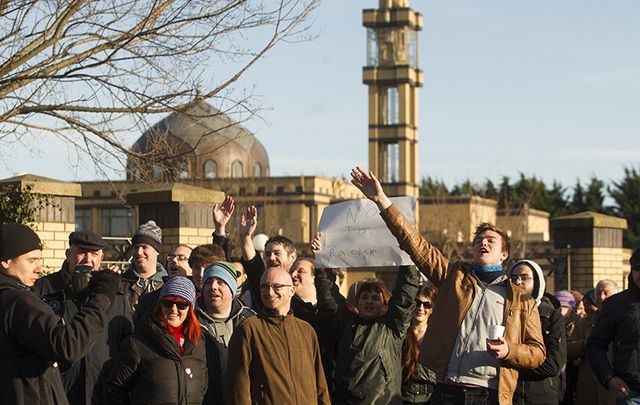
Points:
219	313
33	339
541	385
145	273
66	293
618	323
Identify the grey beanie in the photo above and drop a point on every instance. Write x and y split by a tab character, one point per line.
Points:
149	234
180	287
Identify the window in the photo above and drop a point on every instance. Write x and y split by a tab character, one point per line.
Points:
237	169
83	219
117	222
258	170
183	175
156	172
392	163
392	106
210	169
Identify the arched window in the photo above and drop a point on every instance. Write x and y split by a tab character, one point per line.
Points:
156	172
258	171
210	169
183	175
237	170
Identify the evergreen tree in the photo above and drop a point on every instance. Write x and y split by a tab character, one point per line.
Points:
430	187
577	203
626	194
594	195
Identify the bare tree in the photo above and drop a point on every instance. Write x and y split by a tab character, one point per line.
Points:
94	72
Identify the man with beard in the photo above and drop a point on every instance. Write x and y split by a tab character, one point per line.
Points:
66	293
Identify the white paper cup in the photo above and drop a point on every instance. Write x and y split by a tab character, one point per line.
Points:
496	332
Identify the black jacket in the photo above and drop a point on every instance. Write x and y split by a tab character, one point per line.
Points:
618	322
33	339
150	370
83	378
542	385
217	346
369	352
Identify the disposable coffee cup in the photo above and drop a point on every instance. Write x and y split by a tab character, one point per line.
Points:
496	332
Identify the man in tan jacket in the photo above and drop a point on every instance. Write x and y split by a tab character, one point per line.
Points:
471	368
274	358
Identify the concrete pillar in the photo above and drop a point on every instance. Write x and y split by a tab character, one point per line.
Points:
592	243
182	212
53	223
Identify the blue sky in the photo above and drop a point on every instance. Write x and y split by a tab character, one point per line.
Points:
546	88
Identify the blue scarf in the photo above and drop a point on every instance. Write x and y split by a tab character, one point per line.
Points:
487	273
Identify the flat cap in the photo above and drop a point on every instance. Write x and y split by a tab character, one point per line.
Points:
87	240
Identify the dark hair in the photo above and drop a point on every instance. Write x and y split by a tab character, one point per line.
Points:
204	255
411	347
286	243
374	285
191	326
306	259
486	226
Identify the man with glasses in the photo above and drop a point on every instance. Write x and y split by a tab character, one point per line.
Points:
541	385
274	357
178	261
619	323
219	313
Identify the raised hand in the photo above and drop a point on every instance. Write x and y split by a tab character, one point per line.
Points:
221	214
370	186
248	222
315	243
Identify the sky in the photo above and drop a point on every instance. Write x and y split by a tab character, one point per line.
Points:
543	88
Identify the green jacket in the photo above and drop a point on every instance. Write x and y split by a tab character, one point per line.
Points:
368	353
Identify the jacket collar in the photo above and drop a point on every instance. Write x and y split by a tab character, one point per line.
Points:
273	316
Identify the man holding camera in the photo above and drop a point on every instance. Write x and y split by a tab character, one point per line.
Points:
66	293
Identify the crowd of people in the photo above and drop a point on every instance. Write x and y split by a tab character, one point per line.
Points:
212	328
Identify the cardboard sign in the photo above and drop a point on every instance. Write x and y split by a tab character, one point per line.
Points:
353	234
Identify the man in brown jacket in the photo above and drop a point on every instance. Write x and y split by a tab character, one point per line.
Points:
471	368
274	358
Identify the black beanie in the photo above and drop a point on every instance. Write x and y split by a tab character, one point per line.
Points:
17	239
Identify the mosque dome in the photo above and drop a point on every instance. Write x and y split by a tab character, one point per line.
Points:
208	142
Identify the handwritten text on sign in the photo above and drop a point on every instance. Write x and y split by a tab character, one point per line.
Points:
353	234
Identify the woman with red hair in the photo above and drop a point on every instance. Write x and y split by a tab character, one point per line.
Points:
164	361
418	382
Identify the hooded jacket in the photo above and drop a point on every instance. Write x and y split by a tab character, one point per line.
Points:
33	339
150	370
457	286
217	336
618	322
543	385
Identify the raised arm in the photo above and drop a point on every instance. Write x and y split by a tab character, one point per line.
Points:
248	225
402	302
427	258
221	214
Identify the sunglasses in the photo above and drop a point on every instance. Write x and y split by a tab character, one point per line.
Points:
425	304
179	304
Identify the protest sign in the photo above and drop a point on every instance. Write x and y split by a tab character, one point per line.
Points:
353	234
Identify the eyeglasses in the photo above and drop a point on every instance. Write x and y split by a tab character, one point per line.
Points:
180	258
425	304
275	287
179	304
523	277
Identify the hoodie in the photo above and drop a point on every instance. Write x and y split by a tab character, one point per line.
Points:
539	284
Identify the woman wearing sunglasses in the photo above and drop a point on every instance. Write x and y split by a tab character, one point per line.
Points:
164	361
418	382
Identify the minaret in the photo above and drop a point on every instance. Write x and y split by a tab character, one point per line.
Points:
393	77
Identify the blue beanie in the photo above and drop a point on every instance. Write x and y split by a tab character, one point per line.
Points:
224	271
180	287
